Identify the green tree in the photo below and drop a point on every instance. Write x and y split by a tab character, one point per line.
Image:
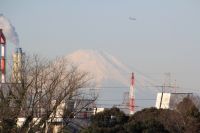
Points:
170	120
190	114
108	121
148	126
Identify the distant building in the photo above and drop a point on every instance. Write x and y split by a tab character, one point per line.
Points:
97	110
86	107
83	109
170	100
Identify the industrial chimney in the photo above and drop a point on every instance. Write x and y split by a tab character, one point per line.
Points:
2	58
18	62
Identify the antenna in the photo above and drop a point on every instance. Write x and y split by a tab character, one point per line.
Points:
131	95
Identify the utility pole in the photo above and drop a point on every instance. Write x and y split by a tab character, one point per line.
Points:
167	84
161	96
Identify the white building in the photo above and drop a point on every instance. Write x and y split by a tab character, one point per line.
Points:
170	100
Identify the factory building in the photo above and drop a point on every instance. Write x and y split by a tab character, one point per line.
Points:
170	100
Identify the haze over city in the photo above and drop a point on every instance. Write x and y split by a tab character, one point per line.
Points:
152	37
124	66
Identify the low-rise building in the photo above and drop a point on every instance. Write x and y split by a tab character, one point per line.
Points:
170	100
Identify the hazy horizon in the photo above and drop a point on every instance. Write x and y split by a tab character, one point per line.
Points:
163	38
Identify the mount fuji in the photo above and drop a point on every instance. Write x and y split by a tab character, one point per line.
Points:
105	69
111	77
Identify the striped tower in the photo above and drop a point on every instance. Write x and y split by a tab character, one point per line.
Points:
3	54
131	95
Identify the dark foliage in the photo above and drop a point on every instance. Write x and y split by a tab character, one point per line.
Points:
190	114
171	120
109	118
108	121
185	119
148	126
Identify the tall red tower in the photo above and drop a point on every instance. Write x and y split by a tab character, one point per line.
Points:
2	58
131	95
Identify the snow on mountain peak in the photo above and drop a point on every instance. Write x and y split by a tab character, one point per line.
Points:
112	75
105	68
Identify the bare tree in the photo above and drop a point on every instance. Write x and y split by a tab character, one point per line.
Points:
38	91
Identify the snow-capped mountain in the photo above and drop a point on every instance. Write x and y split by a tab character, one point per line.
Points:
112	76
103	67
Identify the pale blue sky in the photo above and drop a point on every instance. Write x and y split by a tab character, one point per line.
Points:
164	38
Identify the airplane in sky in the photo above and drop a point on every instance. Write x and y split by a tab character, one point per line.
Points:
132	18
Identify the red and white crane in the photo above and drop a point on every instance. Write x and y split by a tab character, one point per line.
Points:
131	95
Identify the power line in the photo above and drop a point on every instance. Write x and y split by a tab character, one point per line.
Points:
141	99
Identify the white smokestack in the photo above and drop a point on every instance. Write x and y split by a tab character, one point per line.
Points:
8	30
